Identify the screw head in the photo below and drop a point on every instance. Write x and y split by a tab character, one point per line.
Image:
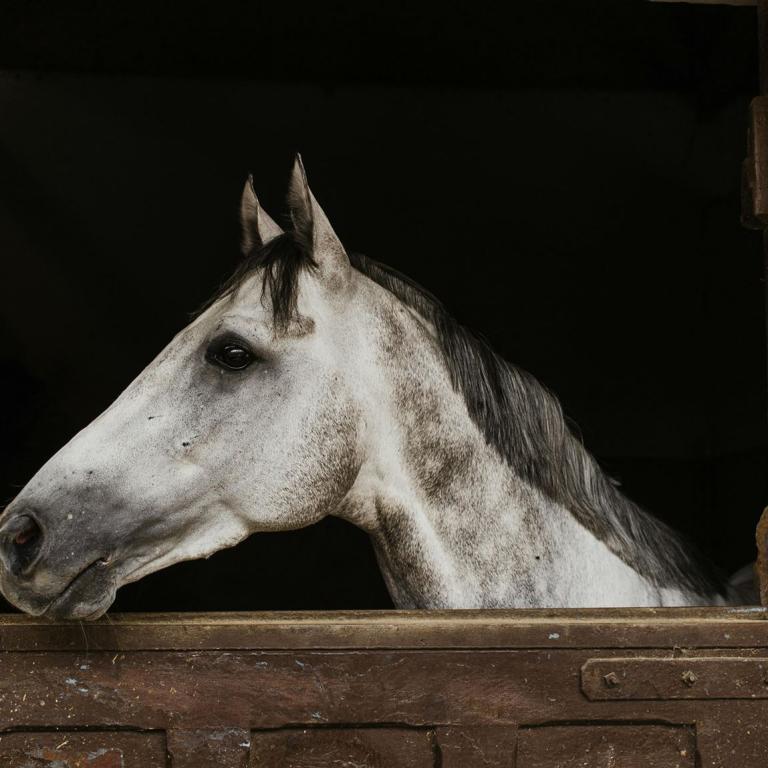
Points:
611	680
688	677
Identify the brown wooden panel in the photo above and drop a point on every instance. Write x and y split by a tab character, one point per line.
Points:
606	746
469	696
544	629
205	748
720	677
478	747
215	689
93	749
732	740
353	747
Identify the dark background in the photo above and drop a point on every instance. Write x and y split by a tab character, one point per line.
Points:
564	175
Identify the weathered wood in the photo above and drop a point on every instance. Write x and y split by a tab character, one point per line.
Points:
353	747
444	697
761	537
565	628
740	740
268	690
754	207
478	747
72	749
220	747
599	746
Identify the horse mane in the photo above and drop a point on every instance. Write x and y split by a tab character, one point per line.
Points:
518	415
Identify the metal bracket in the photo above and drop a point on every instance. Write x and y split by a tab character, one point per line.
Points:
668	679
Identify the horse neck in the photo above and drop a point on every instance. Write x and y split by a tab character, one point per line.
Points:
452	523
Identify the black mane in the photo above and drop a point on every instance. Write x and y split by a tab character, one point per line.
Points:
519	417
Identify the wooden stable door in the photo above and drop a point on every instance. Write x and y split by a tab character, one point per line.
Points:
648	688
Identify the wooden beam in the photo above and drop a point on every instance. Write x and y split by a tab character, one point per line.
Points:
333	630
762	36
709	2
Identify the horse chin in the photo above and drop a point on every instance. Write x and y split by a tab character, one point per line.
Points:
87	597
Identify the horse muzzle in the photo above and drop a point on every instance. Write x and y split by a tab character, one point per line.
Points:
36	585
88	595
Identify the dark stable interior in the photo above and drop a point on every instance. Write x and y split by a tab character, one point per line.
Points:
564	176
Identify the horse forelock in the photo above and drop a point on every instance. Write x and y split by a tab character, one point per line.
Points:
281	261
518	416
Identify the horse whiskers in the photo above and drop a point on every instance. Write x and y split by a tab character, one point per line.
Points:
85	636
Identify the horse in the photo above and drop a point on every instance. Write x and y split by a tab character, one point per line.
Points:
320	382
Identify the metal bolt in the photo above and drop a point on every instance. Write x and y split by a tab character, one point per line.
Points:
688	677
611	680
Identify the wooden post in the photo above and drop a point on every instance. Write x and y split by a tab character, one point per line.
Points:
754	207
756	138
762	31
755	215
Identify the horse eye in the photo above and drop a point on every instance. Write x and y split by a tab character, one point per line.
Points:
232	356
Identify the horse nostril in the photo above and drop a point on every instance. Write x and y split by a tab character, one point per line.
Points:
25	544
30	532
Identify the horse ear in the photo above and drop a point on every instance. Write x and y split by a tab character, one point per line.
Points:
313	228
257	227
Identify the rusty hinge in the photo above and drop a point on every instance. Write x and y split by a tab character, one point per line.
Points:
644	678
754	171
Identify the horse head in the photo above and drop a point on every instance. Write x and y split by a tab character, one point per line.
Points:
245	422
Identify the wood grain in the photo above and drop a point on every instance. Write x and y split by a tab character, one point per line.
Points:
342	747
600	746
424	690
544	629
